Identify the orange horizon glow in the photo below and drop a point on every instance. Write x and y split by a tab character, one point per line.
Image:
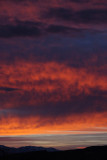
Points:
36	125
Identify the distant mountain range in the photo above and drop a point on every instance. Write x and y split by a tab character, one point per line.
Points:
11	150
40	153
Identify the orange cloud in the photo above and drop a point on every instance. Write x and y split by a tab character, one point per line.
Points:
71	124
58	80
33	96
25	76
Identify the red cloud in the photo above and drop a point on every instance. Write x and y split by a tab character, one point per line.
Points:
56	79
37	125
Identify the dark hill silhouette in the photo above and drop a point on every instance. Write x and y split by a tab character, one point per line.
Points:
89	153
11	150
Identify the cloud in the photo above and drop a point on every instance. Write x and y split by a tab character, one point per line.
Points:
85	105
77	104
8	89
21	29
95	16
34	29
52	89
92	16
60	13
63	29
38	29
37	125
66	17
58	140
79	1
52	65
58	29
21	1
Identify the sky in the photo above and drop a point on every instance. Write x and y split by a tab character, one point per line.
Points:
53	73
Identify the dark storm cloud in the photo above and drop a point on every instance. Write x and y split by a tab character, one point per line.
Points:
20	29
62	29
20	1
60	13
92	16
96	102
79	1
8	89
34	1
85	16
36	29
58	29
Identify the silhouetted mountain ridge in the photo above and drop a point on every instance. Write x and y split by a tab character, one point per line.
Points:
12	150
32	153
97	148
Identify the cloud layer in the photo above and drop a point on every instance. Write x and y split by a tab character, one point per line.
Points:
53	60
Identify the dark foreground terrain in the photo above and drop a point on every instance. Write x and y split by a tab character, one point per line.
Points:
90	153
